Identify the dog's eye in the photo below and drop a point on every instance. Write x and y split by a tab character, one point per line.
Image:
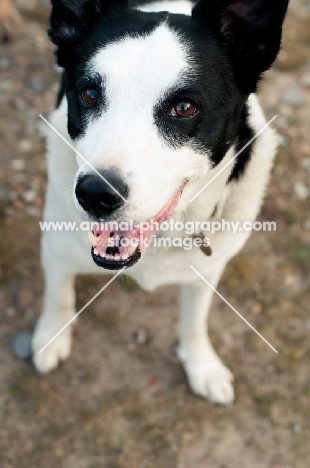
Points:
184	109
90	95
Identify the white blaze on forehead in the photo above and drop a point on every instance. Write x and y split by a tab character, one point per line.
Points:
138	71
177	6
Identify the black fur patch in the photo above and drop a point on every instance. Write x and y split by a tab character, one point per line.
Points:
62	88
244	134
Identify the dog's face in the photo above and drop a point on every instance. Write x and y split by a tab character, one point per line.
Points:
153	101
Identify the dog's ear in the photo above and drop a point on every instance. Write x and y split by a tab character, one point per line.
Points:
250	31
72	20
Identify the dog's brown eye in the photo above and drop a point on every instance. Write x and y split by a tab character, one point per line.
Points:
184	109
90	95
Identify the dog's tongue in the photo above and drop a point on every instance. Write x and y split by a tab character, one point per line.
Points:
120	244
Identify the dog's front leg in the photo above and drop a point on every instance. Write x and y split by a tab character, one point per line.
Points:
207	375
58	309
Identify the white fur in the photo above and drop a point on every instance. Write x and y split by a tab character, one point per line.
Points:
154	171
174	6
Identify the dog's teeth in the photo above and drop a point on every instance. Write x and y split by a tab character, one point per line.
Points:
102	254
117	257
125	256
93	239
96	251
131	249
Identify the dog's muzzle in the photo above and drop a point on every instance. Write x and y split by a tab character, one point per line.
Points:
109	249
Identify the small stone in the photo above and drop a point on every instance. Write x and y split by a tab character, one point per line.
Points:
18	164
21	345
29	196
292	96
304	163
4	62
140	336
293	282
25	146
296	428
301	191
256	308
37	84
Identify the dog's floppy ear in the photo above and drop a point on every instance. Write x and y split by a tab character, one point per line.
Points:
250	31
72	20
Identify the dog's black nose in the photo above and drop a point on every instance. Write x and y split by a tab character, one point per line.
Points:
97	197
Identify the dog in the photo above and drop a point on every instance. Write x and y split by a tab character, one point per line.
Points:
157	101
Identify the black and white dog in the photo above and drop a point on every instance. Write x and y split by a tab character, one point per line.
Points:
156	98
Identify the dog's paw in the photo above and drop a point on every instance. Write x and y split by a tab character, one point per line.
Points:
212	382
58	350
208	377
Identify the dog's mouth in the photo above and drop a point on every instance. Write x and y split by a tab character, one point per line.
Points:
114	249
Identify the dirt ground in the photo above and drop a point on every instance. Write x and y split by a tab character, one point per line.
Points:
120	404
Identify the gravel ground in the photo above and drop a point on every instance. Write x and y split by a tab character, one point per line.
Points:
124	403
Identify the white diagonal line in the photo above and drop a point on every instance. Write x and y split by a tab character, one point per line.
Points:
80	311
82	157
232	159
235	310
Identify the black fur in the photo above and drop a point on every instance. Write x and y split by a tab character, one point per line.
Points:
244	134
62	88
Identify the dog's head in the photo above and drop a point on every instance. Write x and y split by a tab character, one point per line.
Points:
154	101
